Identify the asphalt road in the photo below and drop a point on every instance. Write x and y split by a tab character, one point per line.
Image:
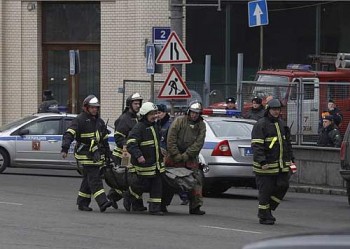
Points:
37	210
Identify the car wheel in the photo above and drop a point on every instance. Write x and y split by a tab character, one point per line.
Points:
215	189
4	160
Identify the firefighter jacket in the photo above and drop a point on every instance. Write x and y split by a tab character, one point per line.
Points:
185	141
329	137
91	135
123	126
143	140
271	146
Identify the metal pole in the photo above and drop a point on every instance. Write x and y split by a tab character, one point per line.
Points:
73	95
176	17
318	36
239	80
152	88
207	79
261	62
228	48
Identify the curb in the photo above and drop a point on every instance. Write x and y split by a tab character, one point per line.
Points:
317	190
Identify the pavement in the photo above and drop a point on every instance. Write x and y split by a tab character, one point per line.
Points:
314	189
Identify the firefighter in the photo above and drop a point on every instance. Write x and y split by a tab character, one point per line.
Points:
185	140
272	159
123	125
91	134
147	161
49	104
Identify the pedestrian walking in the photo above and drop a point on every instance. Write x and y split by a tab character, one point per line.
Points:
272	160
185	140
123	126
91	149
147	163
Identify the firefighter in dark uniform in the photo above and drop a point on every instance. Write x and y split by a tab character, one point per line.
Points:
273	158
91	134
122	126
147	161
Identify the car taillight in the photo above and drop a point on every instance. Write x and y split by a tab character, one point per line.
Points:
342	151
222	149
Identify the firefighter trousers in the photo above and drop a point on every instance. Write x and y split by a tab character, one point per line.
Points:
153	185
195	195
115	194
272	189
91	185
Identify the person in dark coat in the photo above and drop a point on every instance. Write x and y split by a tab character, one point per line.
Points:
49	104
257	111
329	135
331	111
147	164
272	160
231	103
91	135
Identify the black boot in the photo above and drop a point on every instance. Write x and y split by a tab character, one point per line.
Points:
84	208
111	197
105	205
127	201
271	216
137	205
155	209
265	217
197	211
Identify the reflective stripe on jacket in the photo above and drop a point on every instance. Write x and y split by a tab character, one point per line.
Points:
144	140
271	146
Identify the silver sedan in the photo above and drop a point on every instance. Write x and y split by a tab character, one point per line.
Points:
35	141
227	154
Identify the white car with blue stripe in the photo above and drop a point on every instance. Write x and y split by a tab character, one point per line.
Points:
35	141
227	153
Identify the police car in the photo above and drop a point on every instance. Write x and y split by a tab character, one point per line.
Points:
227	153
35	141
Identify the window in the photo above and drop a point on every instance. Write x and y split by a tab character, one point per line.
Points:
46	127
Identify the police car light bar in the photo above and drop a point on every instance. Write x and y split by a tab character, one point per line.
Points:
299	67
221	112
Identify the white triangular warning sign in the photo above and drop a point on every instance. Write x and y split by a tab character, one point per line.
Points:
174	87
173	52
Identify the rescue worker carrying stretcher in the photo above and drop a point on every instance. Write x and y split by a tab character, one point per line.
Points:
272	161
147	167
123	126
91	134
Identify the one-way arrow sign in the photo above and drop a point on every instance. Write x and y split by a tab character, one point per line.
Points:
257	13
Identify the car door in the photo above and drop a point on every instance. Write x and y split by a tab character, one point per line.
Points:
39	143
70	160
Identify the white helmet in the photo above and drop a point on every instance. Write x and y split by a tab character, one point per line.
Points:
147	107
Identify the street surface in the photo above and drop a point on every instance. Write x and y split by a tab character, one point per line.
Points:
37	210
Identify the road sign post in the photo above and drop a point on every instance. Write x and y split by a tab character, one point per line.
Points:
258	16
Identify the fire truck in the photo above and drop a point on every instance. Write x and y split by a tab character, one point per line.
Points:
318	88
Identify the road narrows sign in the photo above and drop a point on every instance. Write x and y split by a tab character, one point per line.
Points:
174	87
173	52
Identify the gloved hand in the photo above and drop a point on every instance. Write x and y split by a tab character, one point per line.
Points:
185	157
293	168
96	156
178	158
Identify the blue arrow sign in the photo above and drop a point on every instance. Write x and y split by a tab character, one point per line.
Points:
150	58
257	13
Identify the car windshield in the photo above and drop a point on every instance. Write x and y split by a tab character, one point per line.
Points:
16	123
271	90
231	129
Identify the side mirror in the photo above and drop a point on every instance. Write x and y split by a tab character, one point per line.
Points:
23	132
